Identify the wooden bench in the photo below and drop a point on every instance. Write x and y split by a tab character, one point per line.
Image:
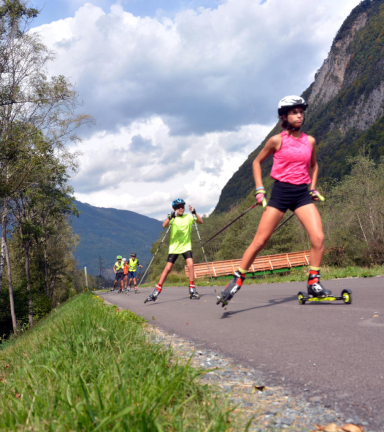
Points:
263	264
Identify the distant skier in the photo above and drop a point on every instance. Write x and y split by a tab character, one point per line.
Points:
180	244
132	270
118	268
294	168
125	274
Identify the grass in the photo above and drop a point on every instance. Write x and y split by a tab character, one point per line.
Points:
89	366
295	275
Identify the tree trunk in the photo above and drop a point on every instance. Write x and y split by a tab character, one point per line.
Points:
28	274
9	270
2	263
52	288
46	265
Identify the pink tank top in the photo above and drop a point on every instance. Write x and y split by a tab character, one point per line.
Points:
292	161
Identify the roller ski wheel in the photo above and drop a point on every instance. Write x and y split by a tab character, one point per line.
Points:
152	297
302	298
193	293
222	299
149	299
136	291
347	296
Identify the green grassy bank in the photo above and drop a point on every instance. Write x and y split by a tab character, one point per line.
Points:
89	366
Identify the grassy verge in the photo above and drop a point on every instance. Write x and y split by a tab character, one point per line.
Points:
89	366
295	275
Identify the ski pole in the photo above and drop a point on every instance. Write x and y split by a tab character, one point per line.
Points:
234	220
205	256
282	223
149	265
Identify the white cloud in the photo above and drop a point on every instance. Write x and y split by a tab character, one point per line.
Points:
194	168
183	98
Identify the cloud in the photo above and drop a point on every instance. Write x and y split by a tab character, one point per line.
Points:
141	145
181	101
203	70
166	167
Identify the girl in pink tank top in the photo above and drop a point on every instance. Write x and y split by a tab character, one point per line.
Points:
295	173
291	163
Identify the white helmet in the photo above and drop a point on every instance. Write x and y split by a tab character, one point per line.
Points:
289	102
124	259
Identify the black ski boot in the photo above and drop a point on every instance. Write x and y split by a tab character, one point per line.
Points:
231	289
316	289
193	293
153	296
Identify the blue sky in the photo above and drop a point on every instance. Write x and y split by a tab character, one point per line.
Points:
53	10
181	91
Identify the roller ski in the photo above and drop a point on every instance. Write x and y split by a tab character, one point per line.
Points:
193	293
316	292
153	296
346	297
231	289
136	291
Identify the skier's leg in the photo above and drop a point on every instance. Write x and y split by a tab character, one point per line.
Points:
310	218
159	286
269	221
191	271
166	271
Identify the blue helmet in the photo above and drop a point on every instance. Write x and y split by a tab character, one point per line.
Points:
178	203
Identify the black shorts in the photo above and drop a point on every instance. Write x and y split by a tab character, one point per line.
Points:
119	276
286	196
173	257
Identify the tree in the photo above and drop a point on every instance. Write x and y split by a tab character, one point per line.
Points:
37	115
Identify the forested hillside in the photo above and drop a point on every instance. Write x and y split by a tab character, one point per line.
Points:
107	232
346	116
346	109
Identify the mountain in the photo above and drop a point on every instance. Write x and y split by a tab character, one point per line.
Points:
109	232
346	103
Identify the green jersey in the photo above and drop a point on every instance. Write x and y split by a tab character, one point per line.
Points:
181	234
133	263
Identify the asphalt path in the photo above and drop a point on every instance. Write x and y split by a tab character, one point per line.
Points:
332	351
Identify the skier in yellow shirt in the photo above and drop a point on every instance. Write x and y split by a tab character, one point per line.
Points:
180	244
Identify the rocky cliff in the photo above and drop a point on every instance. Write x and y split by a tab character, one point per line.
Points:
346	111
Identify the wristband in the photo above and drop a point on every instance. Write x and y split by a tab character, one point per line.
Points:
261	187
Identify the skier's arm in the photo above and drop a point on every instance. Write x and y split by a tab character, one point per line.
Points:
313	172
199	219
272	145
314	167
114	269
169	218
